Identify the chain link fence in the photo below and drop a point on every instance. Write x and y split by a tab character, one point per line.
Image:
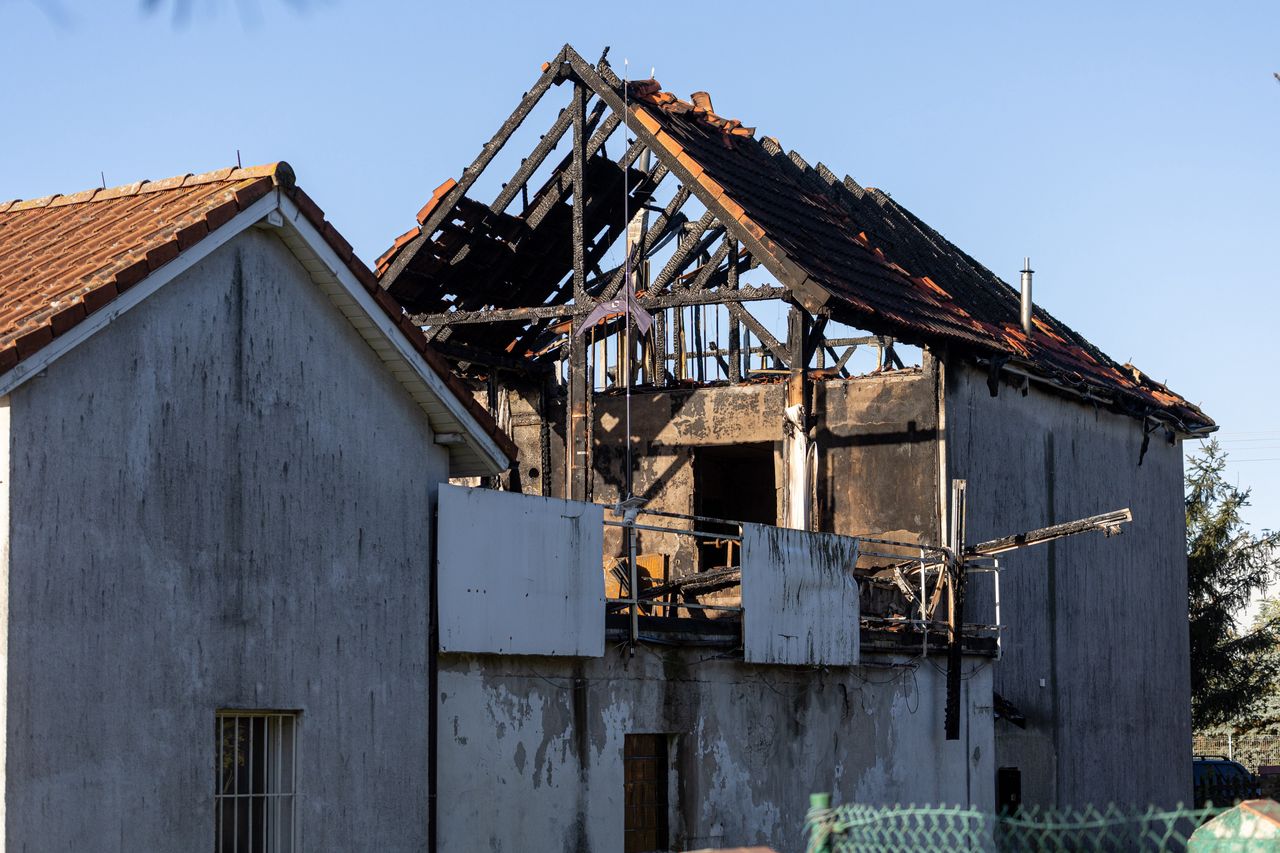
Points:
870	829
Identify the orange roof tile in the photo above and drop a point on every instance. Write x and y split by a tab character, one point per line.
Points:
63	257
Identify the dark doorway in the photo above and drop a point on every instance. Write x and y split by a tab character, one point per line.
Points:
733	482
644	765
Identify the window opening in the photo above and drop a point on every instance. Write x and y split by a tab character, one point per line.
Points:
734	482
256	782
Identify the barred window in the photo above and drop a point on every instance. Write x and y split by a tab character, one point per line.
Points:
256	788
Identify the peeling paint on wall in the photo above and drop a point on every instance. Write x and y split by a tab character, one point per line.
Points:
750	743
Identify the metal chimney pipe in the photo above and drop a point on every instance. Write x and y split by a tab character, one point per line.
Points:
1026	296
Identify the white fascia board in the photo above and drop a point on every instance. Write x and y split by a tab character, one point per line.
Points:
473	434
99	320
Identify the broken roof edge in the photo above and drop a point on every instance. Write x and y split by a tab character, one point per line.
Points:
127	285
1092	394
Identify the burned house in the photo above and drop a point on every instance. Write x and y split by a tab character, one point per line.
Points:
779	385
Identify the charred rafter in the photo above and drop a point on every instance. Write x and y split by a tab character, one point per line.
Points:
690	245
552	74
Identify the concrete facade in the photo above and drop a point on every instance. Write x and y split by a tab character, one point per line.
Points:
530	749
221	501
1096	650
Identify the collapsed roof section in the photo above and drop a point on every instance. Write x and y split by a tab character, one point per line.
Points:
490	280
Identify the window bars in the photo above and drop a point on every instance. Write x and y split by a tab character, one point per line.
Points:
256	784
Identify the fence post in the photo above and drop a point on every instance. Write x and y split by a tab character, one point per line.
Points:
817	821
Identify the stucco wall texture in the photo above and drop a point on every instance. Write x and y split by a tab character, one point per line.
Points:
531	748
1095	642
222	500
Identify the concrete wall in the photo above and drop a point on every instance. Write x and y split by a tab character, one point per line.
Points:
530	748
220	501
1100	622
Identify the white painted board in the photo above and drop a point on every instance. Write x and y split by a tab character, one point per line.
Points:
799	597
519	574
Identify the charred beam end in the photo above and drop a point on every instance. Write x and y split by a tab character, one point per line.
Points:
428	227
1108	522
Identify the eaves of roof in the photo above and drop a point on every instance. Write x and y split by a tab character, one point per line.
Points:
70	264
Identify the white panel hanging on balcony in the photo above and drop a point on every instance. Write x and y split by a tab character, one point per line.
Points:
519	574
799	597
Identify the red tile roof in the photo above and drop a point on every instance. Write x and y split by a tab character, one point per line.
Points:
63	257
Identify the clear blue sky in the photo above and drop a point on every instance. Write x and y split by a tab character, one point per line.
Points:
1130	149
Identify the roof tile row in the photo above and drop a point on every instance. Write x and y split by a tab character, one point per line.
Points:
63	257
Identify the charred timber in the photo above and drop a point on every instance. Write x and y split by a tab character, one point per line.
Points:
553	74
549	312
1108	522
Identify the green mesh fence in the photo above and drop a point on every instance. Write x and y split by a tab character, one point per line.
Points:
909	829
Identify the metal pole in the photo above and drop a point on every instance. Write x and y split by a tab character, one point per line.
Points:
635	588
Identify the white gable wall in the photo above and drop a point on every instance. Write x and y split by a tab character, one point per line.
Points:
222	500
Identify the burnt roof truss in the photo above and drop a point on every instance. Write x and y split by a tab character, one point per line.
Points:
710	204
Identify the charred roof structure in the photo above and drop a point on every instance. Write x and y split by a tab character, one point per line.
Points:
498	280
753	399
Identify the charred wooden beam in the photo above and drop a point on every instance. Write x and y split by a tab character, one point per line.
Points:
813	340
708	268
796	422
715	297
868	340
766	337
659	339
667	220
694	242
472	355
786	271
578	464
842	360
955	620
561	184
520	180
735	344
553	74
1108	522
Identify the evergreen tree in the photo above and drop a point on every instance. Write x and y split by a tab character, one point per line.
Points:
1234	670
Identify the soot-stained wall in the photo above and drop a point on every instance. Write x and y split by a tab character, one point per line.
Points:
1095	640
